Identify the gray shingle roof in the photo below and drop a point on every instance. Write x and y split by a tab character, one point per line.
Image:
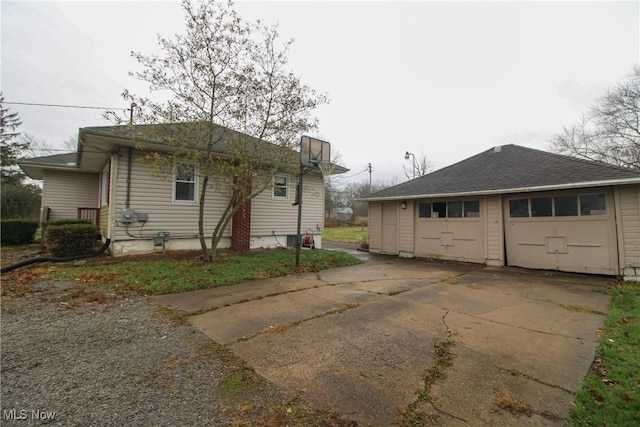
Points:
510	168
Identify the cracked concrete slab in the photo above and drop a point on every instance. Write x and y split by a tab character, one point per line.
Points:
359	340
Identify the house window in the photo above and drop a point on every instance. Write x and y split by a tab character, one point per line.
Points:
453	209
185	182
593	204
281	186
104	186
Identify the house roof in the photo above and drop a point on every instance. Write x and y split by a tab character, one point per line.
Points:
509	169
35	166
95	144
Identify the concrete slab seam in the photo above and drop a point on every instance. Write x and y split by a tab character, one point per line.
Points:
282	327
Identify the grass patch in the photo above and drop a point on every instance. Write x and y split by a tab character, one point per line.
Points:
349	234
610	394
170	275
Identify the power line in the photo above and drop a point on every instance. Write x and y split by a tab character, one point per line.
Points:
86	107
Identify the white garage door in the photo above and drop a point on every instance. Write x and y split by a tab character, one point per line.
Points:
450	229
566	231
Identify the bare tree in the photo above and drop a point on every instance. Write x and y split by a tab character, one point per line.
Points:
421	165
610	130
224	73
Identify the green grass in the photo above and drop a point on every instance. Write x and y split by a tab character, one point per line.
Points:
163	276
350	234
610	395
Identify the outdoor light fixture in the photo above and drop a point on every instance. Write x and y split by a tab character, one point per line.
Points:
406	157
403	204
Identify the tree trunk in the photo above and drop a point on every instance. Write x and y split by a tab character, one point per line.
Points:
203	242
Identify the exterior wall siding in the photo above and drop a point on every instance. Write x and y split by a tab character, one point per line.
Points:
495	230
152	195
630	220
58	185
375	226
276	216
406	230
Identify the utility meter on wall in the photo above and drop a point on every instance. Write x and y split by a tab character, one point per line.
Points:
126	215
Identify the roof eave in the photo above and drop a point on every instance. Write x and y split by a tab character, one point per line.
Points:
567	186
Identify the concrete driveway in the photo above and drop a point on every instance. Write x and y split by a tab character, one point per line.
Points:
360	340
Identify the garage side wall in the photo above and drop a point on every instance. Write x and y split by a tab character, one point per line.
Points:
628	198
495	231
375	226
406	230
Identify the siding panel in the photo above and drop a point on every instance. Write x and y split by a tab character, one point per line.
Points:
630	218
153	195
375	226
495	229
65	192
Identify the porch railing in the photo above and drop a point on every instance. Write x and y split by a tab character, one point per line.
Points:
90	214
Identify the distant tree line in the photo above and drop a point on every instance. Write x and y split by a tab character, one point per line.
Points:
20	199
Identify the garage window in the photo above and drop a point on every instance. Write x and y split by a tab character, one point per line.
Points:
569	205
541	206
519	208
453	209
566	205
472	209
593	204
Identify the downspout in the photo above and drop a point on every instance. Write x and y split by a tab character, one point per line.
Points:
128	198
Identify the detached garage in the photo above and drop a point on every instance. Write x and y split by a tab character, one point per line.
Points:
515	206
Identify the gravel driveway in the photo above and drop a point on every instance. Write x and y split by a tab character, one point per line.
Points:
78	357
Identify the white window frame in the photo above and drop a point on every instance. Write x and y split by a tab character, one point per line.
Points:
175	181
286	186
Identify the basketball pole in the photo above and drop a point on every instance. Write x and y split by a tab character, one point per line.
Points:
299	202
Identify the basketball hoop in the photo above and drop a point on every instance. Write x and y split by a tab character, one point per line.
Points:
314	154
326	169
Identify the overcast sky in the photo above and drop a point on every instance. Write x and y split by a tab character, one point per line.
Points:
444	79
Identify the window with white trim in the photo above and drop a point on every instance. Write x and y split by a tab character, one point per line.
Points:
184	183
281	187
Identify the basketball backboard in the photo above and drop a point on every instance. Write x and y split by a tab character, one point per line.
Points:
314	152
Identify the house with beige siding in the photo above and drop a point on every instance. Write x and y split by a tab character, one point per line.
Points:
110	181
515	206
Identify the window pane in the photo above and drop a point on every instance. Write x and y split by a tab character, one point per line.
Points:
280	186
439	210
424	210
185	191
541	206
455	210
519	208
472	209
566	205
593	204
185	172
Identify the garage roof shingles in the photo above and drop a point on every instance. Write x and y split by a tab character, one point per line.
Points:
509	167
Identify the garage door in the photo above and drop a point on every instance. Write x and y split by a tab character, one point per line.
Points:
450	229
566	231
